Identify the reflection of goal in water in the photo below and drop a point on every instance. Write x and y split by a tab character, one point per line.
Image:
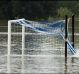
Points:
31	52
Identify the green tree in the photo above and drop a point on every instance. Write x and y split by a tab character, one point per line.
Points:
62	11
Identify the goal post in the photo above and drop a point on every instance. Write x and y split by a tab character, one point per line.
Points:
35	39
9	46
22	40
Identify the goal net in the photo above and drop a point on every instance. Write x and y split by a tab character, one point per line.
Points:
56	28
31	43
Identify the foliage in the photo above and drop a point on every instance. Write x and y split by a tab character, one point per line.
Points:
62	11
37	9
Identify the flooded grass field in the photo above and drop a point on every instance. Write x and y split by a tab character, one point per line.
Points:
42	54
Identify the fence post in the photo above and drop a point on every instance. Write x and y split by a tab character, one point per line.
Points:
73	35
73	30
66	43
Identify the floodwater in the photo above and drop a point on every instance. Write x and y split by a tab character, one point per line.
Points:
42	54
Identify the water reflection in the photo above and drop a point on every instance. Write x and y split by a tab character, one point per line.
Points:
42	54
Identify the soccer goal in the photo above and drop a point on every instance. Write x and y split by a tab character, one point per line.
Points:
34	47
33	40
